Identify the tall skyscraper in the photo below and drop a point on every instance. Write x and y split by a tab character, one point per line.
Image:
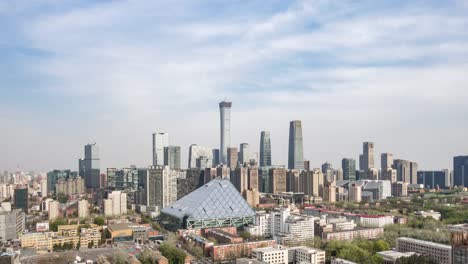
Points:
225	118
413	173
265	149
403	170
21	198
244	153
296	154
215	157
460	171
160	141
232	158
361	162
349	169
196	151
386	160
368	155
326	166
89	166
172	157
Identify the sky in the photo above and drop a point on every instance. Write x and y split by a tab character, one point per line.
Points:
114	72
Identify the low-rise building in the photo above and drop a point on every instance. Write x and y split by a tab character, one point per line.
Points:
391	256
306	255
348	235
375	220
430	213
239	250
271	255
341	261
440	253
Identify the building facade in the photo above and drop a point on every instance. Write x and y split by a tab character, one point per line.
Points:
172	157
196	152
232	157
225	130
460	171
265	149
160	141
89	167
244	153
440	253
368	155
296	151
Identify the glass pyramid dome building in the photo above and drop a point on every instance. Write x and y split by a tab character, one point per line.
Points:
216	204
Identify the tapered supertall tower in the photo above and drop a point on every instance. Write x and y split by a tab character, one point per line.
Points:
296	151
225	130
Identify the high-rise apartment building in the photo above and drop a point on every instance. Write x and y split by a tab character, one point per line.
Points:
277	180
54	176
460	171
160	141
161	187
172	157
232	158
386	160
22	198
89	167
306	164
244	153
296	151
240	179
12	223
265	149
225	130
83	208
115	204
44	191
196	151
355	192
349	169
368	155
54	210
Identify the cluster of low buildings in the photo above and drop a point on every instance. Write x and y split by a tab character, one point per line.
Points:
73	234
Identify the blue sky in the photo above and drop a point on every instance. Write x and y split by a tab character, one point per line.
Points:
113	72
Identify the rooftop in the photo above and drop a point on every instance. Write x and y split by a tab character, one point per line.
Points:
394	255
215	200
424	242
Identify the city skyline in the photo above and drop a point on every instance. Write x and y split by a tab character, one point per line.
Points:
390	73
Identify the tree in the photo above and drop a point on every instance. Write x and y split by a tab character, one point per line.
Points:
91	244
57	247
54	224
62	198
381	245
245	235
173	254
99	220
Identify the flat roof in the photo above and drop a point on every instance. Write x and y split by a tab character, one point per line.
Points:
424	242
269	249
